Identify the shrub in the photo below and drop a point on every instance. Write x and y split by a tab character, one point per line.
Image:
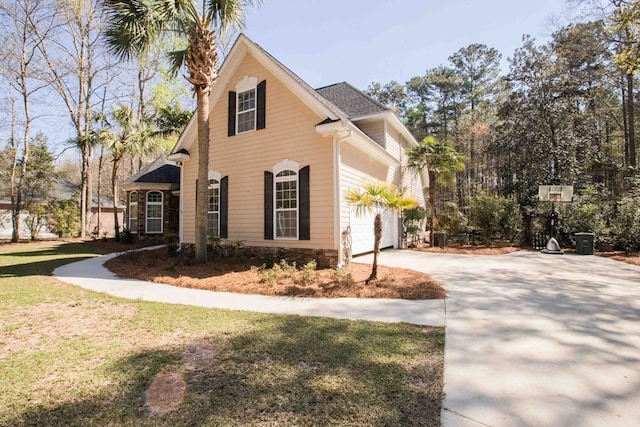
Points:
625	225
588	213
343	277
309	272
127	236
495	217
413	222
172	241
65	218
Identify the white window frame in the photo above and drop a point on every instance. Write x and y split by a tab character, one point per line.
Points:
149	204
286	165
131	218
214	183
247	85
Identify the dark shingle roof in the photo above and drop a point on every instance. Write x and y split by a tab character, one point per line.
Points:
160	171
167	174
351	100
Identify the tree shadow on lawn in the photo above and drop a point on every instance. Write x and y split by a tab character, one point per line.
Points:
282	371
62	254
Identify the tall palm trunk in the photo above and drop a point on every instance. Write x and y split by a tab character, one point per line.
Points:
203	176
202	63
377	232
114	190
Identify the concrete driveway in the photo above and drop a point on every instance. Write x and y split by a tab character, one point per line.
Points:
537	340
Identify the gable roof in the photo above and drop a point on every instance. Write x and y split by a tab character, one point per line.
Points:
160	171
352	101
335	103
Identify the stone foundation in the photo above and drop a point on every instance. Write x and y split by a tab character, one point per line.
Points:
324	258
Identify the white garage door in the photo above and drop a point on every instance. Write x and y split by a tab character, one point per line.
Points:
362	232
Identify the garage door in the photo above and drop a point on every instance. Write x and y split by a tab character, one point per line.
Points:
362	232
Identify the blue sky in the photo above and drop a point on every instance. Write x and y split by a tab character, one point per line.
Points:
362	41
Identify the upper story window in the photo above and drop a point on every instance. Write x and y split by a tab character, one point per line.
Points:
154	212
213	205
246	111
247	106
133	212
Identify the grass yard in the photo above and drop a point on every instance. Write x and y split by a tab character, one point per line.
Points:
70	357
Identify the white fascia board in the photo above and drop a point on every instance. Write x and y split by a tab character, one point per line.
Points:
353	136
149	186
366	145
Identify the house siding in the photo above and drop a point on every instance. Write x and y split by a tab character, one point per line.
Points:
374	130
355	168
289	134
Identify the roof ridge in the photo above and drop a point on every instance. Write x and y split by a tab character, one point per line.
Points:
332	106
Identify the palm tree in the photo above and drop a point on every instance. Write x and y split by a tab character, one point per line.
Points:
376	197
127	134
442	162
134	26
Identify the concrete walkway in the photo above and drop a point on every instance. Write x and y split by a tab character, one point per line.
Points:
537	340
531	339
91	274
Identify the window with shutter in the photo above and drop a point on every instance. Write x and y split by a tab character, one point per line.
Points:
247	106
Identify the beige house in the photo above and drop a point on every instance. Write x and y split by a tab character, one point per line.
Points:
282	155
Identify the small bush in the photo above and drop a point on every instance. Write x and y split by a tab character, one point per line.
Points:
309	272
127	236
172	241
343	277
283	270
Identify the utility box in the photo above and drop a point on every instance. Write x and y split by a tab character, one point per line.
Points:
584	243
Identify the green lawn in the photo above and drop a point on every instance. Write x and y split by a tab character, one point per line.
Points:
74	357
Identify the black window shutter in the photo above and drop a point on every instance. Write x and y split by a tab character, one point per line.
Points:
231	120
224	206
268	205
261	99
304	233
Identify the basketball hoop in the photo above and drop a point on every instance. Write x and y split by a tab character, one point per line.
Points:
555	193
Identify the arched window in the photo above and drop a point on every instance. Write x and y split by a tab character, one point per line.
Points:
287	205
154	212
213	206
133	212
285	193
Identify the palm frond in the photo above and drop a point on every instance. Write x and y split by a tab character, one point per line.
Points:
228	15
176	59
374	196
132	27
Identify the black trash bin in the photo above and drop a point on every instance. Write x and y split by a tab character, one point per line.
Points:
584	243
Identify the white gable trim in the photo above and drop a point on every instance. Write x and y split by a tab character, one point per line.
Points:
241	47
247	83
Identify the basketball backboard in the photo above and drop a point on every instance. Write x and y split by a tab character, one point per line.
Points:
555	193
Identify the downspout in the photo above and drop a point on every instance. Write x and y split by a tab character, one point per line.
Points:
181	204
400	223
337	205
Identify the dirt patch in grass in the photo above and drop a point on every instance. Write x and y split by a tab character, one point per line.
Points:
32	328
237	276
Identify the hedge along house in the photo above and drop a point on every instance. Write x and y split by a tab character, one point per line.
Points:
152	199
281	156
